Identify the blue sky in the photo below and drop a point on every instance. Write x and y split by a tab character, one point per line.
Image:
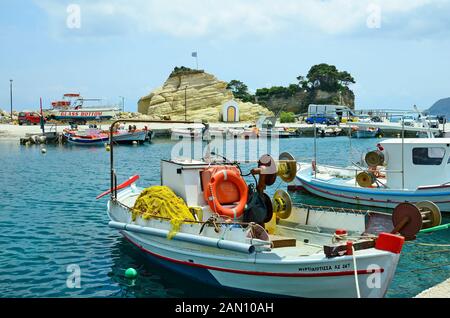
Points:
398	51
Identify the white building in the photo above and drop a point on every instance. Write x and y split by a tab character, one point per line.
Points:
230	112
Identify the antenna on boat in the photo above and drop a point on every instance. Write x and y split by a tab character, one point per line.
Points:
403	151
315	147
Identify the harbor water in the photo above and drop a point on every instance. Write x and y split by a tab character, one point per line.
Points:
51	222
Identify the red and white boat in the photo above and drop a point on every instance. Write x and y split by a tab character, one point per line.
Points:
205	227
72	107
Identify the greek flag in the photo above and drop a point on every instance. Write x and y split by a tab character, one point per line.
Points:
194	54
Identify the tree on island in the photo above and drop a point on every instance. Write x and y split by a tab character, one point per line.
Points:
240	90
325	77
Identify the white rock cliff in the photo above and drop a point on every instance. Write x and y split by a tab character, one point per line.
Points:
205	95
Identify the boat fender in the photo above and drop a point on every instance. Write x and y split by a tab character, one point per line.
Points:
349	246
259	208
340	235
390	243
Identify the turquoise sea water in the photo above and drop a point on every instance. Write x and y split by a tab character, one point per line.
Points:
49	219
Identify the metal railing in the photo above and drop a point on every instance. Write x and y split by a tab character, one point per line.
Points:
111	144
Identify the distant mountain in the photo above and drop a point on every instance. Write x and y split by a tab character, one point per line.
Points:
441	107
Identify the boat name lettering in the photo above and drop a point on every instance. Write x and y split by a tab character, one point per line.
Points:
324	268
82	114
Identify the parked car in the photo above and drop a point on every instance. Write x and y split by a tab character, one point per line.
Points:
376	119
322	119
363	118
29	118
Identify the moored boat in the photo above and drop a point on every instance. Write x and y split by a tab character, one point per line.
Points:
241	239
365	132
409	170
193	133
72	108
89	137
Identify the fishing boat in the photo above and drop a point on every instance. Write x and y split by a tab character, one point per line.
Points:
278	132
193	133
365	132
123	135
98	137
216	132
73	108
205	222
89	137
398	170
329	132
246	133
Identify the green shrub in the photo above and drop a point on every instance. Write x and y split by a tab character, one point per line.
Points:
287	117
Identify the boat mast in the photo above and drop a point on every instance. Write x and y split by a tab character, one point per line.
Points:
315	147
403	151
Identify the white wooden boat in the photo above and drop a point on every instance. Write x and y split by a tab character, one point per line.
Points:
423	174
130	136
98	137
367	132
224	247
89	137
193	133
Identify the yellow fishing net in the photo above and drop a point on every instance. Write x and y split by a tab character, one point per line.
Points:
161	201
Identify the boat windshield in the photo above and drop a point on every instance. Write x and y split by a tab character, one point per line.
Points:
428	156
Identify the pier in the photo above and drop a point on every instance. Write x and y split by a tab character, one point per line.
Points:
161	130
441	290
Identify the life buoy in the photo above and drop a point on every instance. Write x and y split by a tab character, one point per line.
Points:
213	199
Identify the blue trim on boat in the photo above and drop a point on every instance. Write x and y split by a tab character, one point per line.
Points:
411	193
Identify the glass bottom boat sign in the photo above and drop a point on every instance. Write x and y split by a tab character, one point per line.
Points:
85	114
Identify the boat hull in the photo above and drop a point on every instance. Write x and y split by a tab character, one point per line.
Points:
87	142
270	278
364	134
129	137
266	272
377	197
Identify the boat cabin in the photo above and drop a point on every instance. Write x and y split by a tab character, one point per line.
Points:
426	161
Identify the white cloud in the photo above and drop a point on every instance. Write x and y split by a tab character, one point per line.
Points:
234	18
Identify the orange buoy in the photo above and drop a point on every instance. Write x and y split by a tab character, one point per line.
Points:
216	199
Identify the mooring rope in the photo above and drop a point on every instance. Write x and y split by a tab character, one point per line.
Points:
356	272
429	244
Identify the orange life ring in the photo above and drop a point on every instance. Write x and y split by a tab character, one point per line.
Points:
213	200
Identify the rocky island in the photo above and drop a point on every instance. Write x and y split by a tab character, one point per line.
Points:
203	94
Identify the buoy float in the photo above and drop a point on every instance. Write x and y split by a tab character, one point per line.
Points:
43	150
131	273
135	143
108	147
